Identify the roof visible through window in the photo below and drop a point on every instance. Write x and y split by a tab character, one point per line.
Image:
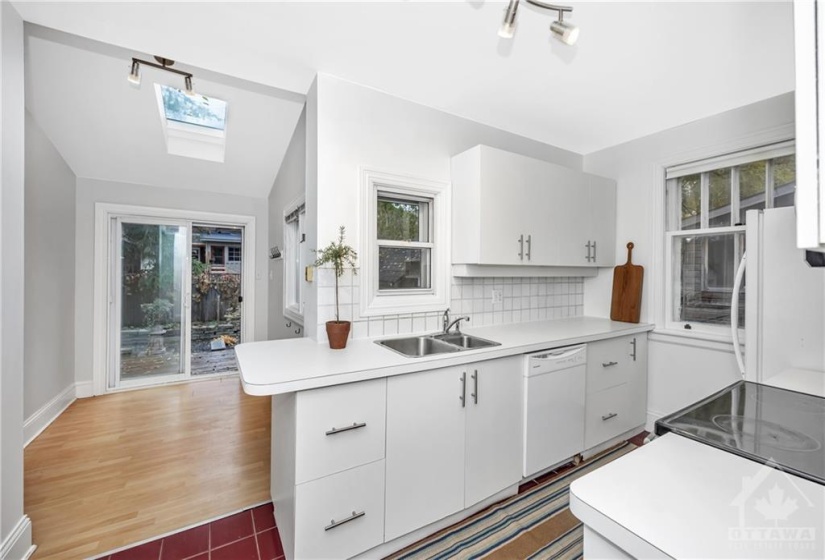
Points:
196	109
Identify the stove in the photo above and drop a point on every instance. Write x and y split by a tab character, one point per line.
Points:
766	424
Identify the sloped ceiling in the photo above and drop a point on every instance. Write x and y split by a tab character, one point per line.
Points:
76	90
638	68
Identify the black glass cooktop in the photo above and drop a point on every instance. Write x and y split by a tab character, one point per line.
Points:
761	423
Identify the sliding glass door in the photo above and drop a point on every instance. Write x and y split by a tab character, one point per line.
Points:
150	300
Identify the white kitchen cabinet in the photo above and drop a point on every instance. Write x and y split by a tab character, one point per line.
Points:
493	428
616	388
425	449
809	42
453	439
510	209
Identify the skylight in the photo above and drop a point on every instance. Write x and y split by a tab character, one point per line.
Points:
197	110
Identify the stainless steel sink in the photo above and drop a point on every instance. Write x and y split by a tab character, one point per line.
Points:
465	340
418	346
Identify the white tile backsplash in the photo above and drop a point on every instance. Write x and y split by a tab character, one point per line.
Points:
523	299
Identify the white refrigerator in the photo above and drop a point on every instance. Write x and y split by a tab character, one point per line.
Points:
784	307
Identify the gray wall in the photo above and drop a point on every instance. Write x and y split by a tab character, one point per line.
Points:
50	258
681	370
11	282
91	191
289	185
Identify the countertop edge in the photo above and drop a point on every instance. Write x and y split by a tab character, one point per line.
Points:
412	365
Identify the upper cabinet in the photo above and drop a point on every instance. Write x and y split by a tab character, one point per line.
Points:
809	37
512	210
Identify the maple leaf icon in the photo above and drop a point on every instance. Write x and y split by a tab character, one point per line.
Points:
777	507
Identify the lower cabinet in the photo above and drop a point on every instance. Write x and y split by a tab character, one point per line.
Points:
616	388
341	515
453	439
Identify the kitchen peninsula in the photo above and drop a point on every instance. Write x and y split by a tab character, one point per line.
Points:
372	450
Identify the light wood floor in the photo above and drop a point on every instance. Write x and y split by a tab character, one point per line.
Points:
121	468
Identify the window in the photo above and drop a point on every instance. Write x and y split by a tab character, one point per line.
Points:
294	238
198	253
403	261
197	110
707	204
404	249
193	125
233	254
216	255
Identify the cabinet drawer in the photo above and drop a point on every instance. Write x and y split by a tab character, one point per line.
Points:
613	411
341	515
339	428
610	363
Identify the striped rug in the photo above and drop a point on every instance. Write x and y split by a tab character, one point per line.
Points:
536	524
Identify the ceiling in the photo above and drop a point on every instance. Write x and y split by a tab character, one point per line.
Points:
638	68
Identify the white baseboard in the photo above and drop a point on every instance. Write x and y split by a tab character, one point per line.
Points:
84	389
18	544
47	414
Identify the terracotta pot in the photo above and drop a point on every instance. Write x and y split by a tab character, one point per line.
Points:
338	333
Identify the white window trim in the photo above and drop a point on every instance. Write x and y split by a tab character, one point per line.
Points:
659	265
104	213
292	312
375	302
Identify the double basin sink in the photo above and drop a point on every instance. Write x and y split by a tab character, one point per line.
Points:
428	345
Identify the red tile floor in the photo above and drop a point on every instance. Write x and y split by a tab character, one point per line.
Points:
248	535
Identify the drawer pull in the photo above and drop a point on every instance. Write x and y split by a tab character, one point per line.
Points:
333	524
355	426
609	416
609	364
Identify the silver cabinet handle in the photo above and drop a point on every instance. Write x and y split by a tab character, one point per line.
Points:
463	388
475	387
521	247
594	251
633	344
609	364
333	524
355	426
587	256
609	416
529	246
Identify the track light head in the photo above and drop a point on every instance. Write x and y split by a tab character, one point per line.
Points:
565	32
508	25
188	83
134	74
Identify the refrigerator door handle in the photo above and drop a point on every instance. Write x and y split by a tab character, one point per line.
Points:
734	315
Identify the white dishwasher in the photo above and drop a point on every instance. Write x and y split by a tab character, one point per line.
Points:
554	391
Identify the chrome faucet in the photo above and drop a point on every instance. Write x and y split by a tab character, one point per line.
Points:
447	324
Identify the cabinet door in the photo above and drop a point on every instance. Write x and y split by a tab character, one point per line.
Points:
495	401
569	210
603	219
425	449
504	205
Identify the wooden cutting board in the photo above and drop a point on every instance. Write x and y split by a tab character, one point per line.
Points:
626	304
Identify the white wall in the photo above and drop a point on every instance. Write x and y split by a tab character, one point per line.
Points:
15	528
681	371
288	186
50	258
359	126
91	191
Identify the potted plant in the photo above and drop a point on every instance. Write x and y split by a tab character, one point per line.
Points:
339	256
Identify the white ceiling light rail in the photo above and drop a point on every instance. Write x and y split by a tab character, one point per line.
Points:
162	64
563	31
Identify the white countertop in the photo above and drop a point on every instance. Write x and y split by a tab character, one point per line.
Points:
284	366
678	498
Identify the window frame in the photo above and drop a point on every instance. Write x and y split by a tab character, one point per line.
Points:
671	217
374	301
294	261
229	250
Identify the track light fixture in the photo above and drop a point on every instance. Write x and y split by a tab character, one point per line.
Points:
161	64
561	30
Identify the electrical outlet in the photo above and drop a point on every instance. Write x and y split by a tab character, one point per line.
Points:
496	296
